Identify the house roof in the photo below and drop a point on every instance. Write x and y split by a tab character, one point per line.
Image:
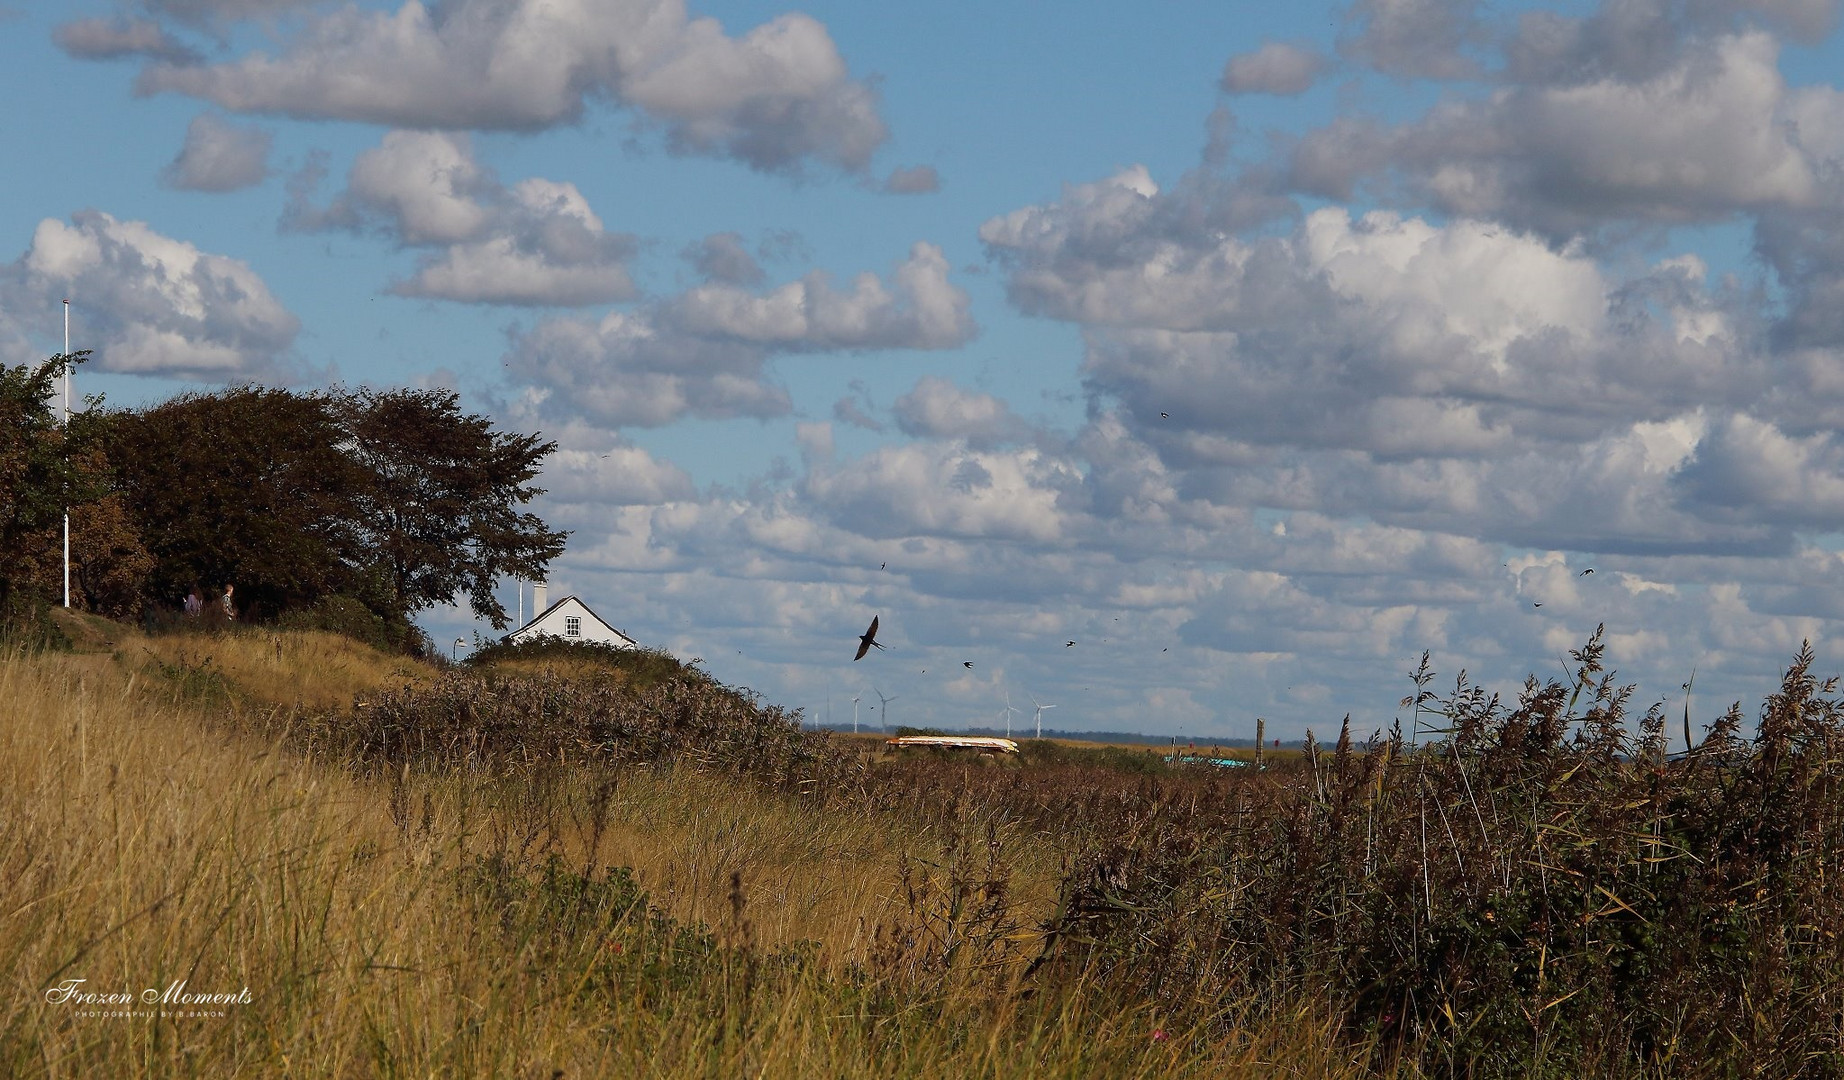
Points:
535	619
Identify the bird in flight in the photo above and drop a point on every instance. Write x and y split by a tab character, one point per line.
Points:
868	640
883	566
966	663
1067	644
1586	572
1165	416
1536	605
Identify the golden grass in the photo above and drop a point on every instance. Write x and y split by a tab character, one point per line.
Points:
151	839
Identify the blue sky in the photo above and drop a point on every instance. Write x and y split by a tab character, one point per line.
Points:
1254	348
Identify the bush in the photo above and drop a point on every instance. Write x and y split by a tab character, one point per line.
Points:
638	669
26	623
1535	893
351	618
471	719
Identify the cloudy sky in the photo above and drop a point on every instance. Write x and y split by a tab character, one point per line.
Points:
1253	348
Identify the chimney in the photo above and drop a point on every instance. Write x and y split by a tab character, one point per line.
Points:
539	598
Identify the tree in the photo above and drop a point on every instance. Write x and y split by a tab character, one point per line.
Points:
439	505
108	562
247	486
39	480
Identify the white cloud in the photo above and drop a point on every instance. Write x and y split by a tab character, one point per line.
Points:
926	311
1423	39
936	408
148	304
536	243
913	180
943	489
203	11
1275	68
624	370
112	39
721	257
775	97
593	466
1705	129
219	157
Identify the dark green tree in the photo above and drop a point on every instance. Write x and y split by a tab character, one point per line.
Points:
248	486
39	475
439	508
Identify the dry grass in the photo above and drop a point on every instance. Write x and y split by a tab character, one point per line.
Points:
161	827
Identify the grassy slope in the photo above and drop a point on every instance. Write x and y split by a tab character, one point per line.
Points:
160	826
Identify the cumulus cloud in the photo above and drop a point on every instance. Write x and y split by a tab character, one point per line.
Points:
856	409
721	257
205	11
913	180
942	489
114	39
149	304
1584	143
219	157
925	310
704	352
1424	39
626	370
775	97
1275	68
535	243
593	466
938	409
1464	377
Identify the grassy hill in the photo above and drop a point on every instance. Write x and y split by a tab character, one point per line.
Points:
560	862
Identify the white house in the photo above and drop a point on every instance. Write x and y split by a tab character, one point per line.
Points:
571	620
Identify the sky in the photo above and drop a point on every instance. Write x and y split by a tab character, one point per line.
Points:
1174	365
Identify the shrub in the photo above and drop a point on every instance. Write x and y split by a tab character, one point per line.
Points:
1536	892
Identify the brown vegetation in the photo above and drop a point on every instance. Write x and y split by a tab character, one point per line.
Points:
613	865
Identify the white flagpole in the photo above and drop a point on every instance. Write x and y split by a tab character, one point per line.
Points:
67	450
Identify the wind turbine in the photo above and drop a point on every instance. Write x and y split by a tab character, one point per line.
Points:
854	716
1008	714
883	706
1039	715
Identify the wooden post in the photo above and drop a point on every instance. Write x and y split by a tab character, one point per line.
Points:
1261	736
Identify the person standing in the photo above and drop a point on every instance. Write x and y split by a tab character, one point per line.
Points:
230	608
195	604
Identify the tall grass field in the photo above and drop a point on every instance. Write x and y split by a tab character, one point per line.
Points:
262	853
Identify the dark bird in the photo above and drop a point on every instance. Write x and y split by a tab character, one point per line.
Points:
883	566
867	640
1165	416
1067	644
966	663
1586	572
1536	605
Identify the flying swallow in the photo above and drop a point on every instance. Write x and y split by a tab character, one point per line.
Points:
1067	644
966	663
1586	572
867	640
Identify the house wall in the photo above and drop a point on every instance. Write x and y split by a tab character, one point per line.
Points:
556	624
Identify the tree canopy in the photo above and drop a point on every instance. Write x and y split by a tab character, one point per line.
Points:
40	476
398	500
